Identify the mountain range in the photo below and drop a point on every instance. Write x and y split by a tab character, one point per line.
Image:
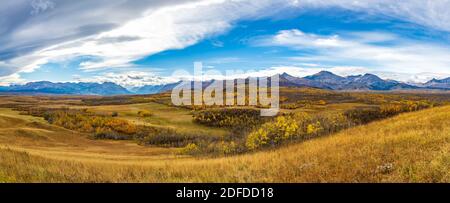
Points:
322	80
328	80
45	87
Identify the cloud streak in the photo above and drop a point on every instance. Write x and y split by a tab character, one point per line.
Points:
23	35
431	13
118	32
379	51
130	79
156	29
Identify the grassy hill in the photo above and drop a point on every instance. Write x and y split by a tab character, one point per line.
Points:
412	147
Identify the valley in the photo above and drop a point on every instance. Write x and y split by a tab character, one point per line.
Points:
354	142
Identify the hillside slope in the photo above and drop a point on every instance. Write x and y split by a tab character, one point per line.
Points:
413	147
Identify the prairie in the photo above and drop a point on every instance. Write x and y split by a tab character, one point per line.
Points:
411	147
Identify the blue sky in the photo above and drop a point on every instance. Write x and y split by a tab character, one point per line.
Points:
89	41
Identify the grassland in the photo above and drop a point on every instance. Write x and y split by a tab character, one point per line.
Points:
161	116
411	147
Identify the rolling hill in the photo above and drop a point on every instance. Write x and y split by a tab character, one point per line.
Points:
412	147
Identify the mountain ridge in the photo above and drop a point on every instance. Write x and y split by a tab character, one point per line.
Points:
67	88
322	80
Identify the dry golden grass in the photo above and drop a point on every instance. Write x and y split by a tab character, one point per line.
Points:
413	147
33	133
163	116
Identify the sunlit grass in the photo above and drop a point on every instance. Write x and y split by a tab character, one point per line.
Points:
162	116
412	147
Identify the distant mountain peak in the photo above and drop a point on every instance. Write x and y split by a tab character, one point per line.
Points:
370	75
326	79
440	84
370	78
434	80
324	72
285	75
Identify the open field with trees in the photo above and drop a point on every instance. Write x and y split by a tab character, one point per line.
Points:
318	136
413	147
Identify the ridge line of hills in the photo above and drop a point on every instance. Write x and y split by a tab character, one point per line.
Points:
322	80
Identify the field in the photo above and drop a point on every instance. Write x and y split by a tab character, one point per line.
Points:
412	146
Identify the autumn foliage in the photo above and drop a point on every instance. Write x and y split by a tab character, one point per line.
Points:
366	115
232	118
299	126
294	127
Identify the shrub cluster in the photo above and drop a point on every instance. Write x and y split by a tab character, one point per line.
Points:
145	113
102	127
303	104
165	137
295	126
366	115
304	126
231	118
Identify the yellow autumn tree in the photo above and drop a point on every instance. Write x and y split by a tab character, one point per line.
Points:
272	133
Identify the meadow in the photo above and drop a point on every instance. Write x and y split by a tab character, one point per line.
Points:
319	136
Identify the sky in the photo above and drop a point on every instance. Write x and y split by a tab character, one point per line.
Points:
136	43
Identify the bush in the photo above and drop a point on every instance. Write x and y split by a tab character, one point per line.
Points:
145	113
272	133
223	147
165	137
190	148
366	115
108	134
235	119
228	148
83	121
296	126
322	102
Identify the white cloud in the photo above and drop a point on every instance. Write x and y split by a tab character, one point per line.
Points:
217	43
27	27
134	29
129	79
173	27
365	49
301	71
429	13
11	79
